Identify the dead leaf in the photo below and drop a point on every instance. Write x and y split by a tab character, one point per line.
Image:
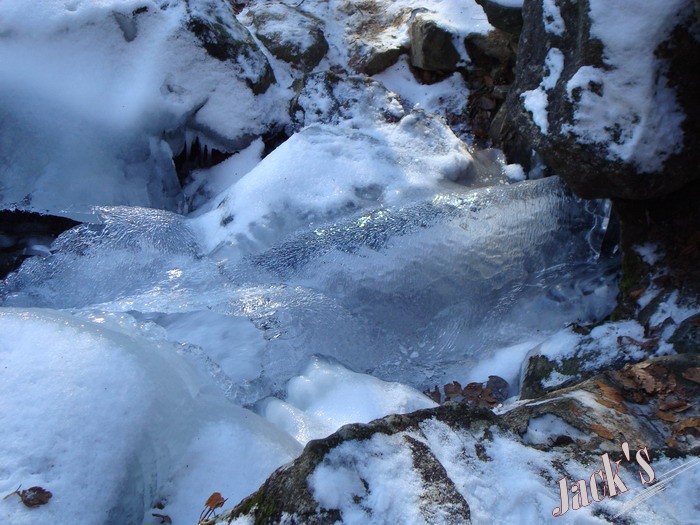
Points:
636	294
671	442
602	432
692	374
676	405
215	501
688	423
666	416
163	518
453	390
33	496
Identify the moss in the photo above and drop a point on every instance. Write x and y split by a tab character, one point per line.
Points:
263	509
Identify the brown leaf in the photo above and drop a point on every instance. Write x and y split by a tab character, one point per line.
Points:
34	496
452	390
677	405
666	416
433	394
636	294
602	432
692	374
215	501
163	518
671	442
688	423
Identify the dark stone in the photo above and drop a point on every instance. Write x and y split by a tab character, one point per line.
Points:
266	20
432	47
586	167
441	502
24	234
505	18
230	41
377	60
686	338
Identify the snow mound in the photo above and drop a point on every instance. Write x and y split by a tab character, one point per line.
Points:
99	418
324	172
327	396
101	95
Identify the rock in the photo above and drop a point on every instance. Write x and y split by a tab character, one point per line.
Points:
226	39
608	127
432	47
290	34
24	234
326	97
371	60
501	15
686	338
578	356
572	425
494	49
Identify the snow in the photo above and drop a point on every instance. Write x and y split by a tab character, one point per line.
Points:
371	481
515	172
553	22
99	417
326	170
649	253
536	100
327	396
447	97
543	429
87	106
627	106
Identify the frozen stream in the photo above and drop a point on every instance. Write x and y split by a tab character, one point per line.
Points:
211	367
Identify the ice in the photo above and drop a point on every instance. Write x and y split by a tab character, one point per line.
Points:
407	292
327	396
99	417
324	172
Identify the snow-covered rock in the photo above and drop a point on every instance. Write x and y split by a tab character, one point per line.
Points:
290	34
102	95
603	94
454	464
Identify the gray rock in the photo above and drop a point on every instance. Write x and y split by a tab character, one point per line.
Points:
503	17
686	338
432	47
625	402
588	167
371	60
326	97
226	39
290	34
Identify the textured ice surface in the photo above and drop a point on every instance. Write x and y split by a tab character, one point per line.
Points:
405	292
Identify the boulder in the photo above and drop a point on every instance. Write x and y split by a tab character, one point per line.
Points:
326	97
290	34
226	39
506	15
613	112
451	452
432	46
